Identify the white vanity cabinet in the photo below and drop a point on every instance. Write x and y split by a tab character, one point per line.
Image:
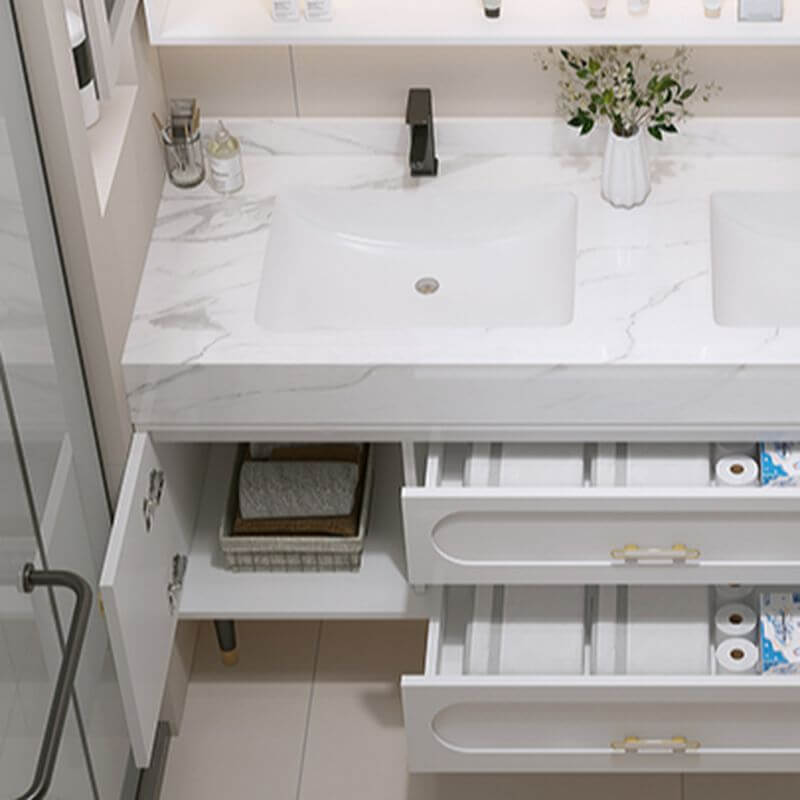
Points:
163	564
140	583
472	517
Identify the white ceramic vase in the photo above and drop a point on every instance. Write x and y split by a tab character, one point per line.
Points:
626	172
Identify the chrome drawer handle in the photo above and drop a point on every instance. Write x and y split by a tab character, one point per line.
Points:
635	744
678	553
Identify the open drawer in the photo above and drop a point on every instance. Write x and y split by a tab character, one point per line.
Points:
547	679
603	513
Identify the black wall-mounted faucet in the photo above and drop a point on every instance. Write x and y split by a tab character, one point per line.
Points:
419	116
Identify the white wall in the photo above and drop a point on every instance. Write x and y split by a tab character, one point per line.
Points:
467	81
104	240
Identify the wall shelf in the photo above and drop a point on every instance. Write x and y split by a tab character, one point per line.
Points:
461	22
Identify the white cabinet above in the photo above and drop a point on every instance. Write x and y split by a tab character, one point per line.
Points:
462	22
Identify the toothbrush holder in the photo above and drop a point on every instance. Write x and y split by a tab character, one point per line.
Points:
183	156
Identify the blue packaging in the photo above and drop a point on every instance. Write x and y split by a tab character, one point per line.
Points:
780	463
780	633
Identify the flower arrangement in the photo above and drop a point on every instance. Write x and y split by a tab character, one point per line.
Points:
628	87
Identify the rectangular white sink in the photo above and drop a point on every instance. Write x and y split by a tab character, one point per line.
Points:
755	258
420	257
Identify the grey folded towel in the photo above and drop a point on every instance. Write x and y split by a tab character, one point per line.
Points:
291	489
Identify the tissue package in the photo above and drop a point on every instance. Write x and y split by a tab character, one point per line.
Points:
780	463
780	632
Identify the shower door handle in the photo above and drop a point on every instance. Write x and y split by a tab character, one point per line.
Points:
30	579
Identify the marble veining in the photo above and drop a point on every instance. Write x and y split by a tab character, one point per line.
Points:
196	357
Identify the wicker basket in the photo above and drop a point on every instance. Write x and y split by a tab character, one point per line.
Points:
296	553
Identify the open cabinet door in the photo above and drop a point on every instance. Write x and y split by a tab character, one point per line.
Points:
140	583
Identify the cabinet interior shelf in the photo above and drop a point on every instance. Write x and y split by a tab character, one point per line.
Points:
461	22
378	590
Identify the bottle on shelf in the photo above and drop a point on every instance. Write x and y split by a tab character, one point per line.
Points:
285	10
760	10
597	8
319	10
491	8
84	71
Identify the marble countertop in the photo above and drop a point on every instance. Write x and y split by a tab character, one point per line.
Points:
643	280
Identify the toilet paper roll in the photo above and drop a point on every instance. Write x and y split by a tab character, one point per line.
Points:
737	470
735	621
731	592
737	657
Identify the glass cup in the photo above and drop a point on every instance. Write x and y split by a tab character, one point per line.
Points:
183	155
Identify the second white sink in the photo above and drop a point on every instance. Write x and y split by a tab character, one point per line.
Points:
755	251
419	258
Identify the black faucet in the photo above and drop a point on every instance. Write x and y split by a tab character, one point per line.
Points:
419	116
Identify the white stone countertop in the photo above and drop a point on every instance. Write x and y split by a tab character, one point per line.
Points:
196	359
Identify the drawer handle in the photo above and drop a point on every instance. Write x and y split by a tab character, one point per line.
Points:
678	553
676	744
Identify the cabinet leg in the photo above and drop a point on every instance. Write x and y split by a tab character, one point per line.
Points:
226	639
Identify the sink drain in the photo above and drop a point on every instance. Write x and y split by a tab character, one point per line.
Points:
427	285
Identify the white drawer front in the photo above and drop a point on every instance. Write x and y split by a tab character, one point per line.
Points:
460	532
145	539
482	724
492	699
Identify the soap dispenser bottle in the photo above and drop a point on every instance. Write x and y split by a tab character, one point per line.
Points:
224	156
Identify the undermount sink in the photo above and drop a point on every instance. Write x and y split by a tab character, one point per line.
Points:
419	257
755	258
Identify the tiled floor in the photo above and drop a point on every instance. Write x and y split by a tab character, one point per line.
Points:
313	712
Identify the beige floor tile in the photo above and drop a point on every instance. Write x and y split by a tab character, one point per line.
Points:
740	787
356	743
544	787
243	727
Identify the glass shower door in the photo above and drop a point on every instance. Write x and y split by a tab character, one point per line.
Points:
54	511
30	652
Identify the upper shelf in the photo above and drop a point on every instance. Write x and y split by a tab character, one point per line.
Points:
461	22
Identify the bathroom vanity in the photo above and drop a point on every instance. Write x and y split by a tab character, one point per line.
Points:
506	456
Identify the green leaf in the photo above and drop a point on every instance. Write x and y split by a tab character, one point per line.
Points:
655	133
666	83
587	126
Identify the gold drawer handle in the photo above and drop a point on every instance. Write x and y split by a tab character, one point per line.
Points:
635	744
678	553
